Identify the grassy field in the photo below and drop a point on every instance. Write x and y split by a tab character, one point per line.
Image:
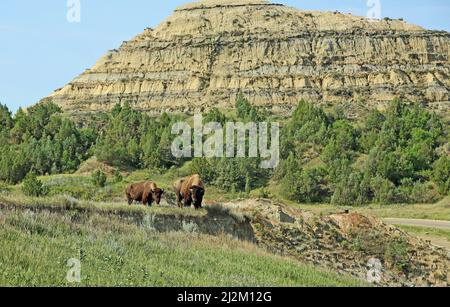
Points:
427	232
438	237
64	203
80	187
35	248
438	211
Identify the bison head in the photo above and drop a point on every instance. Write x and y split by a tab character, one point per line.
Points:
197	194
157	194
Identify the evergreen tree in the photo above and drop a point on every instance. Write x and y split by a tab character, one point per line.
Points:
248	184
6	121
441	174
99	179
32	186
246	112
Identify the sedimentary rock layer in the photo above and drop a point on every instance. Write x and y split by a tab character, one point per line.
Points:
207	52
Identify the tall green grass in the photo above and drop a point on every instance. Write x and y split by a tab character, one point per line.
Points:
65	203
35	248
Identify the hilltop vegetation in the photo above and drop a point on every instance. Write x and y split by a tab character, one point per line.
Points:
396	156
41	141
391	157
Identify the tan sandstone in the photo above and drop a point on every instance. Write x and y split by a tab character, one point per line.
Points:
208	51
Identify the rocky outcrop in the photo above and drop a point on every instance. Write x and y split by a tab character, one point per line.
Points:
347	243
208	51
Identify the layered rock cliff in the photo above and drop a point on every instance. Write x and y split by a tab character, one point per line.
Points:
208	51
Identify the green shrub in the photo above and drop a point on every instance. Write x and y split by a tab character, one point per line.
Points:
383	190
40	140
99	178
131	138
246	111
412	192
303	185
264	193
351	190
118	176
424	192
397	254
441	175
4	187
32	186
204	167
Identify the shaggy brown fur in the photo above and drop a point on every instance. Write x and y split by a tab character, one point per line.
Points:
146	192
190	190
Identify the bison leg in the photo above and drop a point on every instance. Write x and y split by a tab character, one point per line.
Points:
197	207
179	199
145	199
150	200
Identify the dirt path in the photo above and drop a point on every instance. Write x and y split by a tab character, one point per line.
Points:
445	225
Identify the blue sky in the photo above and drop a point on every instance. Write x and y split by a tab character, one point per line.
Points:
41	51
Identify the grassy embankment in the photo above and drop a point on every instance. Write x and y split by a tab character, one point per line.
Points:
35	248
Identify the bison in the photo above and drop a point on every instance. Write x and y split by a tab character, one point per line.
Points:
190	190
145	192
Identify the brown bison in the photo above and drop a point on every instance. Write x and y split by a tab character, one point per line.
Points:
190	190
144	192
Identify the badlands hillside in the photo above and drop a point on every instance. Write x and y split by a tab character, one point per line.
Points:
208	51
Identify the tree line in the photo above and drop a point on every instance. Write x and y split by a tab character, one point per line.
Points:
393	156
41	141
390	157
